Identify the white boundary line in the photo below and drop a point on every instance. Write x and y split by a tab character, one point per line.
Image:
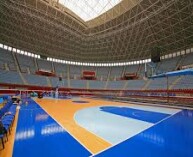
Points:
89	130
154	105
145	103
66	130
116	115
15	130
92	155
135	135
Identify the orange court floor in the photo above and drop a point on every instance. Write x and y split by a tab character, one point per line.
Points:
63	112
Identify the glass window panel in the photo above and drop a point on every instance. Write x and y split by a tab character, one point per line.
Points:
91	9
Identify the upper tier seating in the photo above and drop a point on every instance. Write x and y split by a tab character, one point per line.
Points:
75	71
188	60
10	77
131	69
61	69
2	65
55	82
44	65
12	66
88	68
26	62
102	72
141	71
35	80
116	72
7	57
168	64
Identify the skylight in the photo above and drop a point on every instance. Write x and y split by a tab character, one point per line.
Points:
89	9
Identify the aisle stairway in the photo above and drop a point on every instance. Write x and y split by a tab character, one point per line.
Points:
23	79
48	82
146	84
175	82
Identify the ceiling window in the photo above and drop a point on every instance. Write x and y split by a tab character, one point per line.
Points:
89	9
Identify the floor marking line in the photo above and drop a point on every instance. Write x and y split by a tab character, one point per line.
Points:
15	130
66	130
119	102
137	134
115	116
151	104
90	131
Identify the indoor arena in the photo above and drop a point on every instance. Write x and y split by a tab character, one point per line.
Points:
96	78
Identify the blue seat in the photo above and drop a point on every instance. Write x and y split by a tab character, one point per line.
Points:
2	141
7	116
5	129
3	133
1	100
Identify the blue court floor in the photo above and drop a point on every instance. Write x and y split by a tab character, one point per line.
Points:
136	131
172	137
38	135
123	122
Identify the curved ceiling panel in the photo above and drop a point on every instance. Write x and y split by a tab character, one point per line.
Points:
45	27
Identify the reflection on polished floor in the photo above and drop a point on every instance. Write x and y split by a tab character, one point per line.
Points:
88	127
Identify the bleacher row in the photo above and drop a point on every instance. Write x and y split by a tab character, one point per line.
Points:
174	82
24	64
20	69
7	116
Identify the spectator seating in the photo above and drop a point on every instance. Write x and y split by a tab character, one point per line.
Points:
2	65
185	82
168	64
10	77
131	69
118	85
12	67
161	83
89	68
44	65
79	84
7	57
174	82
7	115
102	72
55	82
9	74
95	84
60	69
35	80
135	84
188	60
116	72
26	62
75	71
